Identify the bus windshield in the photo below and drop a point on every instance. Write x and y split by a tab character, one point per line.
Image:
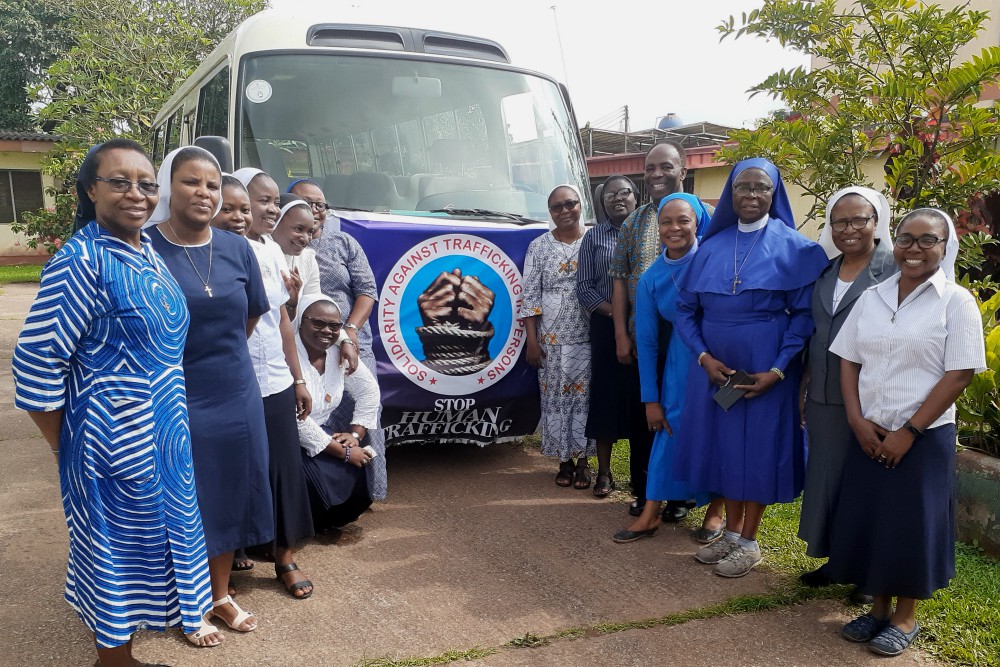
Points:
399	134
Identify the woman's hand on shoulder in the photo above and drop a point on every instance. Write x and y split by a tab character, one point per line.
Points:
349	355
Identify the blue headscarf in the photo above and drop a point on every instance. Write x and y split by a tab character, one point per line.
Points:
302	180
780	209
696	204
85	211
781	260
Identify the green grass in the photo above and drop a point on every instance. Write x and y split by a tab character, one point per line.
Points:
20	273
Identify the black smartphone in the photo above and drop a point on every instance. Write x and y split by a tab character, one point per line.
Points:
727	395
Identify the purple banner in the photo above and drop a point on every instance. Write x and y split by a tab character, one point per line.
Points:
447	336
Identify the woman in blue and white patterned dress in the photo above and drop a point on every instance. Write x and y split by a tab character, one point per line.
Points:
558	338
98	368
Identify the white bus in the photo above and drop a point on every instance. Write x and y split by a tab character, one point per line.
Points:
384	118
436	155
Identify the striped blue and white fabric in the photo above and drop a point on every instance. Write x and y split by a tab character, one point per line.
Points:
103	342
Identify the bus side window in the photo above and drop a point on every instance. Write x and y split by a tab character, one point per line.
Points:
213	106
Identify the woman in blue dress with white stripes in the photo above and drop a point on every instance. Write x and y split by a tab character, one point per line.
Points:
98	368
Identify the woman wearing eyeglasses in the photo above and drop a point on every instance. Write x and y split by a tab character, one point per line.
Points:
744	305
608	418
856	238
334	463
909	347
557	337
98	368
346	277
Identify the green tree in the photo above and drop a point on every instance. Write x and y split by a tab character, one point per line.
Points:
115	78
886	80
32	35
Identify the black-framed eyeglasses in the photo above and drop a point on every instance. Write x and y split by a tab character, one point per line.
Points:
567	205
746	189
123	185
318	206
859	222
927	241
319	324
619	194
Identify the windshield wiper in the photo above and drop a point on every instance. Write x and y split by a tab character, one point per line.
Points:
485	213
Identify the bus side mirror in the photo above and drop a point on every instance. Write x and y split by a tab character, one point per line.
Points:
220	148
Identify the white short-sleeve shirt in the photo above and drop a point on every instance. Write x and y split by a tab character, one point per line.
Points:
905	349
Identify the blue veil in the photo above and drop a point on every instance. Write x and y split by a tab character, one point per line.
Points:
783	260
781	208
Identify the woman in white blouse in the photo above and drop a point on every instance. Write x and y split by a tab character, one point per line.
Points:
908	349
333	463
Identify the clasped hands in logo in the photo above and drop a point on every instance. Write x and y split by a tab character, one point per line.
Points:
456	299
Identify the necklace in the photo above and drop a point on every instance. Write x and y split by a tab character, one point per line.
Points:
736	247
183	246
568	265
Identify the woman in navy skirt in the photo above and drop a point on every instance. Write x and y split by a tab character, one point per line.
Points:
908	349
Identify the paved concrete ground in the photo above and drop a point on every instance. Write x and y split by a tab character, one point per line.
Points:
474	548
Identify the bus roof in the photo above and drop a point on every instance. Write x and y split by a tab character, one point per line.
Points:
280	30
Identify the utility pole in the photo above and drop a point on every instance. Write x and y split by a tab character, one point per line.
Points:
625	136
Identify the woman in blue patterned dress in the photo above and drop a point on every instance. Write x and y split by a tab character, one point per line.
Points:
557	335
98	368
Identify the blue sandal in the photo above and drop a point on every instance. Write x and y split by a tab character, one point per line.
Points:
863	629
893	641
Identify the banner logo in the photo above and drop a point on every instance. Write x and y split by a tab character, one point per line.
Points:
448	314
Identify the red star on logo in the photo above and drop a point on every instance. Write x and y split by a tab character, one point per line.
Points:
481	380
433	380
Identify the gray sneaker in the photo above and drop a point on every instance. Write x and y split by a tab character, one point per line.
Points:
715	552
738	562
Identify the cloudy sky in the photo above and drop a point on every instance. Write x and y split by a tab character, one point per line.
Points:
656	57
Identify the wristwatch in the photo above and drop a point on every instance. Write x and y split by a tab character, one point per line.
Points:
351	325
913	429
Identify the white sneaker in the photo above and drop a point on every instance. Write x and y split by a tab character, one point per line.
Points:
738	562
715	552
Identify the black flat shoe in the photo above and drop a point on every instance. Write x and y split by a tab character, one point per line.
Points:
707	536
635	509
626	536
674	512
815	579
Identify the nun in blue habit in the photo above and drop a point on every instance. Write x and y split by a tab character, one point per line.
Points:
744	305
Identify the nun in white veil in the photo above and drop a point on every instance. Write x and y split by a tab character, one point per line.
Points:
856	238
334	463
909	348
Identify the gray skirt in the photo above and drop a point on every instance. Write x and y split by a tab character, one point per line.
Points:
829	437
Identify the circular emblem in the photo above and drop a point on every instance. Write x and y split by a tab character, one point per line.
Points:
258	91
448	315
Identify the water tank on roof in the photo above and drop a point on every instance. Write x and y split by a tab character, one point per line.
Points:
669	122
